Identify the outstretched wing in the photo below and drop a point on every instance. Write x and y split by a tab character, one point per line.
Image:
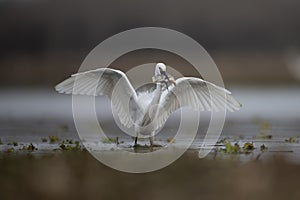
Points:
197	94
105	81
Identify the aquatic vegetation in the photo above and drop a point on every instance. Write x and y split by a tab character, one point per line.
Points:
30	147
229	148
1	141
109	140
248	146
67	141
75	147
222	141
291	140
10	150
263	148
44	140
235	148
170	140
54	139
13	143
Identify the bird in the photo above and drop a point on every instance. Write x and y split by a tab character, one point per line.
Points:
147	108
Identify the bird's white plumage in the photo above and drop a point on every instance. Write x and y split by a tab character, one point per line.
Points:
107	82
197	94
134	108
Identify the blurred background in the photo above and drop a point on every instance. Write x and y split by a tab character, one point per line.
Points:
255	44
252	42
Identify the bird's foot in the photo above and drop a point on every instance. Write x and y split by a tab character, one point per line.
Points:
156	145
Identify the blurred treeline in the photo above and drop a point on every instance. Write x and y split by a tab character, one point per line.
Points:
43	41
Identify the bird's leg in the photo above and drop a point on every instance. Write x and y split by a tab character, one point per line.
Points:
151	139
135	141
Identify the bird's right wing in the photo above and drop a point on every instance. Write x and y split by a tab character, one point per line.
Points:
197	94
105	81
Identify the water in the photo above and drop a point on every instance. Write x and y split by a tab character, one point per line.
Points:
27	116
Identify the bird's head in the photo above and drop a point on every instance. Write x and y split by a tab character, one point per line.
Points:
160	69
162	76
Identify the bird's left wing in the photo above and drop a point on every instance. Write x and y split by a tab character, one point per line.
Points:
105	81
197	94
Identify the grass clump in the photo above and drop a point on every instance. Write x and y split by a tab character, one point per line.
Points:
263	148
67	141
291	140
235	148
229	148
30	147
170	140
13	144
248	146
10	150
54	139
66	147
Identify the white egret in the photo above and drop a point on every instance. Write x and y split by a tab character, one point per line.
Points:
148	108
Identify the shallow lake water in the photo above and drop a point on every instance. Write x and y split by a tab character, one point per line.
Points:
29	115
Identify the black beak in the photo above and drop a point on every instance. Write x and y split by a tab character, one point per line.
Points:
166	82
165	74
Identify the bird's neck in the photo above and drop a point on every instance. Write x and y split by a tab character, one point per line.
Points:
157	94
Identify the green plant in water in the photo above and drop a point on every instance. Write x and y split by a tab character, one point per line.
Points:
248	146
30	147
291	140
10	150
170	140
229	148
54	139
234	149
65	147
67	141
263	148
